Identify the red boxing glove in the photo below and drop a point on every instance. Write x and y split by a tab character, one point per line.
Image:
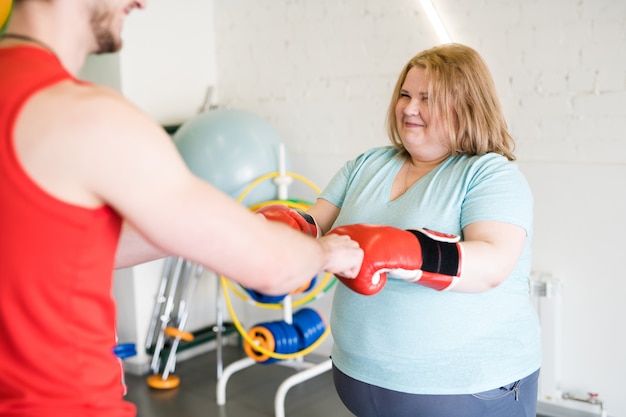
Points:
428	258
297	219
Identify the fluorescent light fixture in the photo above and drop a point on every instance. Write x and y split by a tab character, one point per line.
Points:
435	20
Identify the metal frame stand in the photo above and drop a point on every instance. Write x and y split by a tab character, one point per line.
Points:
309	370
178	283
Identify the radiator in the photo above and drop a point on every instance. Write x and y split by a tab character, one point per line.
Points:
546	293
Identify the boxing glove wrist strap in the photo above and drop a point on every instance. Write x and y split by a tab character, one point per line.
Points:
441	257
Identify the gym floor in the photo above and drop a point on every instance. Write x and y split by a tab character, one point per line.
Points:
249	392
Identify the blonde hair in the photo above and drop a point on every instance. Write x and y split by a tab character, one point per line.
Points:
462	94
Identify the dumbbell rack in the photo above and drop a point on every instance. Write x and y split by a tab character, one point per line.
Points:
307	370
166	333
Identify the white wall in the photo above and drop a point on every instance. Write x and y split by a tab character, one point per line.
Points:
165	67
167	62
321	73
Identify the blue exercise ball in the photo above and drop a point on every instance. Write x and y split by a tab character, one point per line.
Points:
230	148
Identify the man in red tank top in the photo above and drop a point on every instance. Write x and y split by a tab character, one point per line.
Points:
89	183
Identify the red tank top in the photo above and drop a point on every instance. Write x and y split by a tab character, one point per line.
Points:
57	315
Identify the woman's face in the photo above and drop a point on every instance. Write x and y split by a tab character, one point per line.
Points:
423	135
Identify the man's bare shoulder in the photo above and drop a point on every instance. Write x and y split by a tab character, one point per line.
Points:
87	113
78	141
88	102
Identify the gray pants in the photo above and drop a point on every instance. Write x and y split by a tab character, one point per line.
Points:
517	399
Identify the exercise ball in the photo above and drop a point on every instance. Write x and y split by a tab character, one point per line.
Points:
231	148
5	12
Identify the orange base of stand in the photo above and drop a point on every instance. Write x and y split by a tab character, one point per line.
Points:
174	332
157	382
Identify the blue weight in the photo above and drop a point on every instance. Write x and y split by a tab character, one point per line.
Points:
309	325
264	298
292	338
125	350
278	340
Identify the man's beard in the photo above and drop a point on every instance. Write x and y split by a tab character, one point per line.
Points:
101	26
107	43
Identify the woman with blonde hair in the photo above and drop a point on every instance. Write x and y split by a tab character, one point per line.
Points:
436	324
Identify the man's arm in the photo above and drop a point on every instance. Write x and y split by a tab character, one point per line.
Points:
134	249
94	148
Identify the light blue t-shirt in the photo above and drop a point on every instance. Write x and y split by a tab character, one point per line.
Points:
411	338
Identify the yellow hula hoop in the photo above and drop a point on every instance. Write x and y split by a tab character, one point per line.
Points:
262	178
293	204
6	9
226	284
302	205
247	338
321	287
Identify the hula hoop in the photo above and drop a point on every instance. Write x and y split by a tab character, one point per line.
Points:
302	205
6	10
226	284
292	203
323	287
260	349
262	178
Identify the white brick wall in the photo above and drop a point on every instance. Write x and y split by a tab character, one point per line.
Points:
322	71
